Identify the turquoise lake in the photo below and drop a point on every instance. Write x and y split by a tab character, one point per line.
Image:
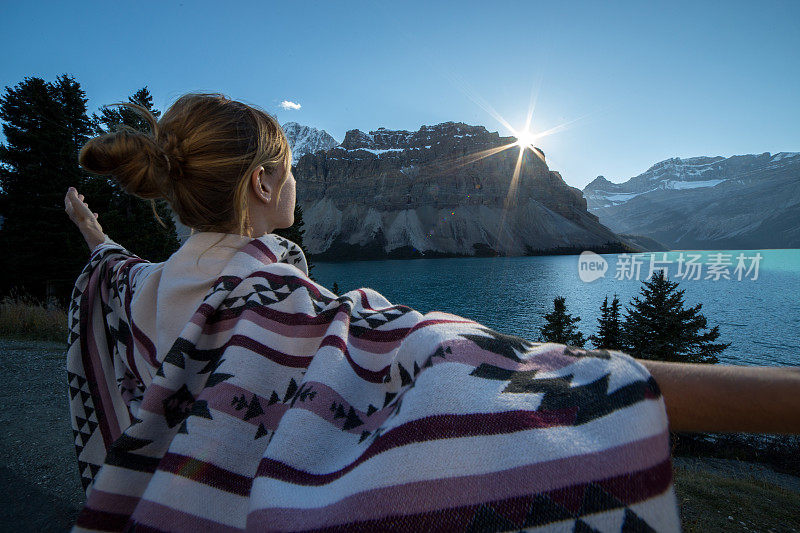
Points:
758	311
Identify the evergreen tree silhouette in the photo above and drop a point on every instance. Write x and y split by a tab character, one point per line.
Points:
609	331
658	327
295	233
126	218
45	124
560	326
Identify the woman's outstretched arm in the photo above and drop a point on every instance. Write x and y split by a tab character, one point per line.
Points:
747	399
83	217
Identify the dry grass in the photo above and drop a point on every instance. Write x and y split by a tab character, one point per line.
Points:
711	503
24	317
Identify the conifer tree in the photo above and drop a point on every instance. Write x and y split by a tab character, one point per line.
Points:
609	331
45	124
295	233
111	118
560	326
658	327
126	218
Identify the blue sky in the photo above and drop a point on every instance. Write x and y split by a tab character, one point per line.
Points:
637	82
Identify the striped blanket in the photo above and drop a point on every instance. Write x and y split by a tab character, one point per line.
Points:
283	406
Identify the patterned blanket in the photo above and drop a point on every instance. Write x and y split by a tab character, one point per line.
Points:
283	406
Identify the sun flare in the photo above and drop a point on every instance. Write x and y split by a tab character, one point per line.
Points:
525	139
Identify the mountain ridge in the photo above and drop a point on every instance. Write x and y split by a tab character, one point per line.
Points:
741	201
429	193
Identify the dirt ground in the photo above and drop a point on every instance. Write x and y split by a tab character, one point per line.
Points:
39	470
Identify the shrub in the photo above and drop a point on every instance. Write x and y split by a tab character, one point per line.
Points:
24	317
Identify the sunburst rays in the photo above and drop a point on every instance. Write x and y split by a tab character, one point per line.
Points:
526	137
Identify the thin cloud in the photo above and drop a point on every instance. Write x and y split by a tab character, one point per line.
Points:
287	104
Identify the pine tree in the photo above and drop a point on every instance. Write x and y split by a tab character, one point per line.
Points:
45	124
295	233
560	326
111	118
609	331
126	218
658	327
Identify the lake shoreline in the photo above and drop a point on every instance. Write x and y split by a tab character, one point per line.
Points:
407	253
351	252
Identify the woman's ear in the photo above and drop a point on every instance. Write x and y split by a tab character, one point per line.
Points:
261	186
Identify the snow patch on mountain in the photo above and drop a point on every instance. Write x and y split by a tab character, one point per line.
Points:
784	155
618	198
680	185
370	150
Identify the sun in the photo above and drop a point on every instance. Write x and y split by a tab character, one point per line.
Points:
525	139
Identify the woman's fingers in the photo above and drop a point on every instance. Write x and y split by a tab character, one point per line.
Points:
76	208
68	207
83	217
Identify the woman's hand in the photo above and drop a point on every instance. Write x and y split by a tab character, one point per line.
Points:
83	217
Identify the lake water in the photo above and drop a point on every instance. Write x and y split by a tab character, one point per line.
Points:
757	311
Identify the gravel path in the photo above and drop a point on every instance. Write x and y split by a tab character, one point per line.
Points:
38	467
39	470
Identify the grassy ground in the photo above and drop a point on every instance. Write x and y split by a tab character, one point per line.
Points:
39	473
711	503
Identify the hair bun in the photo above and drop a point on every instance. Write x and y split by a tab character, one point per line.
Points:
173	153
174	166
199	156
132	157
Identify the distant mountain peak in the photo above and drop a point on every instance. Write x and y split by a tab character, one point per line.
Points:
599	181
738	202
307	140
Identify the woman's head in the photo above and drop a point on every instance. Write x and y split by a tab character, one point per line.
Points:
221	164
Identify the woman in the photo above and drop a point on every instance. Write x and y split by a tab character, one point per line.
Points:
225	390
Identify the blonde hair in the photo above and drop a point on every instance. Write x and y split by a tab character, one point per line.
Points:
199	157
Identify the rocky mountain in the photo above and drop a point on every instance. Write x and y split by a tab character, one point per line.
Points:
429	192
306	140
739	202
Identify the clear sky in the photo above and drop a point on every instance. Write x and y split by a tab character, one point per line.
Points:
637	82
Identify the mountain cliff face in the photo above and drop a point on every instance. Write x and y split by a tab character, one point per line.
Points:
306	140
406	194
744	201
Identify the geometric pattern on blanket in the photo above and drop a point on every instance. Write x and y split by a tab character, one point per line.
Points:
283	406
